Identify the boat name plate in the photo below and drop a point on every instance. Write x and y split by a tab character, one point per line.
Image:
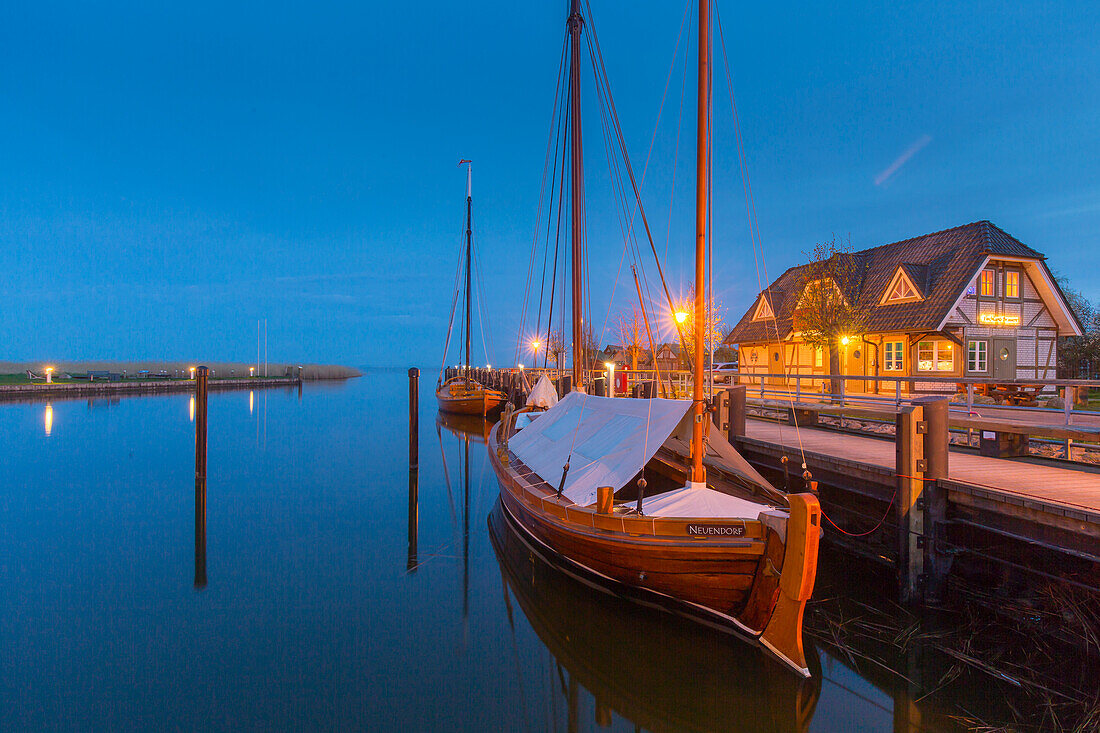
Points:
720	530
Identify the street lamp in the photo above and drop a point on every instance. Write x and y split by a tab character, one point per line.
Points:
681	316
192	372
49	377
610	378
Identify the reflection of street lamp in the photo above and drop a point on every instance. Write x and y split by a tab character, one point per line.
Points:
49	380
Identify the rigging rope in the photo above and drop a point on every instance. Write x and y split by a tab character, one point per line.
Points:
754	228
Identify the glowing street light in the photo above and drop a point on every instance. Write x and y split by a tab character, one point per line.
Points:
49	380
681	316
535	346
192	372
521	367
610	378
251	371
844	340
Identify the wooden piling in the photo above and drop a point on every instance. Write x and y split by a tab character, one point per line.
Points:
910	466
737	413
414	517
414	417
201	375
937	562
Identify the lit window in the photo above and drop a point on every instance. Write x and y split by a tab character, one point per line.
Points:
935	356
895	361
977	356
1012	284
988	284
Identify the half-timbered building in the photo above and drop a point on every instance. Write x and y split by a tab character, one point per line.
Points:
972	301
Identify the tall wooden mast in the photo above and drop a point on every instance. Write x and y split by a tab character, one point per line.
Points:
575	24
702	171
469	206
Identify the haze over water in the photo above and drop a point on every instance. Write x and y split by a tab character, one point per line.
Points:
310	618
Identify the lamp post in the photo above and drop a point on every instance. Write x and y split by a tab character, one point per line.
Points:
192	372
610	378
49	375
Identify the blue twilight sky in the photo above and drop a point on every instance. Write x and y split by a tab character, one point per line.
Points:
170	173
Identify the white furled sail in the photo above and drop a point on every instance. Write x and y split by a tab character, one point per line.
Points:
543	394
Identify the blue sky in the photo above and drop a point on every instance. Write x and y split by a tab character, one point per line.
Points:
171	173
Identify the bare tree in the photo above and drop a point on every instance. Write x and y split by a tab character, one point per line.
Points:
1079	356
555	348
713	334
827	311
632	336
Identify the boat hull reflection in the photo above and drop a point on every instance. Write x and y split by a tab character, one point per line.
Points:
474	427
651	667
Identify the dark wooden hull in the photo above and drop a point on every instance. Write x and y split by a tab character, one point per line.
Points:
476	401
733	584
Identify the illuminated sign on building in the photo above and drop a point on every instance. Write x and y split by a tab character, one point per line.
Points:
998	319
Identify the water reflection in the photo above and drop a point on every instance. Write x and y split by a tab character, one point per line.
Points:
649	667
251	398
467	428
49	419
414	517
191	408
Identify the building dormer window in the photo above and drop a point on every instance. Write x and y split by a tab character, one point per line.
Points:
763	310
1012	284
901	289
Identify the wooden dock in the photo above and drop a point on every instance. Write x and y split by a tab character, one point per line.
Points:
986	520
1060	490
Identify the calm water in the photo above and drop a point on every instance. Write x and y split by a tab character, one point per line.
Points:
311	617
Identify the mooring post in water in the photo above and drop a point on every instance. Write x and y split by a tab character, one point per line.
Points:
414	516
200	476
414	415
937	561
910	466
738	394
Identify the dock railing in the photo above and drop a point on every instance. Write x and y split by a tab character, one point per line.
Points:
803	388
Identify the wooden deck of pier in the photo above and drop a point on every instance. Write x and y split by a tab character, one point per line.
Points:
1041	518
1062	490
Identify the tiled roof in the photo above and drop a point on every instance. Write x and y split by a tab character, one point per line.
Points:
939	264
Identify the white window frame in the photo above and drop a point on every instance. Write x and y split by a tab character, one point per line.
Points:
894	356
939	348
977	356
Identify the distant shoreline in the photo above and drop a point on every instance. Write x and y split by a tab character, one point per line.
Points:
151	368
135	387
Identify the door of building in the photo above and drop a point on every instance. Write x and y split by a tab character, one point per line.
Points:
1004	359
776	365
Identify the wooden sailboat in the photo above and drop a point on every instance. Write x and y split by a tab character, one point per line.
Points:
462	394
642	497
637	664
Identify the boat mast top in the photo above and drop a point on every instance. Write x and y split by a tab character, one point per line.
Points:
575	24
702	171
469	205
